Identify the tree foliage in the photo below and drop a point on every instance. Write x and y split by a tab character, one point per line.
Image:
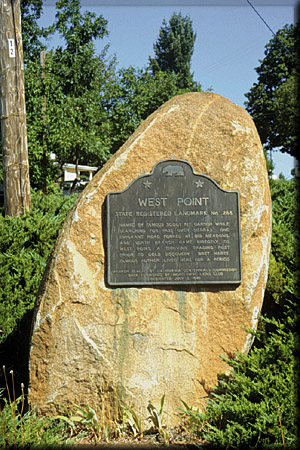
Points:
63	97
32	33
272	101
76	62
174	49
80	107
131	96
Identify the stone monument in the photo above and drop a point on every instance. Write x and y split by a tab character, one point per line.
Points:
160	266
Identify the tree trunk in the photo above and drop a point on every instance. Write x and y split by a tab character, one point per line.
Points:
12	111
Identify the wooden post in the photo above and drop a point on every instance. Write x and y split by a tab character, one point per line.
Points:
12	111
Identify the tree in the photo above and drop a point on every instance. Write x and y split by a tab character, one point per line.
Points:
174	49
131	96
286	109
69	93
80	74
272	101
32	33
79	31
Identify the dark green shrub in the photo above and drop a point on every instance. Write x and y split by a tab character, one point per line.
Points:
256	405
25	246
284	268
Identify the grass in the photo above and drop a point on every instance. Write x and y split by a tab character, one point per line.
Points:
21	428
76	425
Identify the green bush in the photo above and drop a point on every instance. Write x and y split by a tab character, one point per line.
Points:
25	246
256	405
284	267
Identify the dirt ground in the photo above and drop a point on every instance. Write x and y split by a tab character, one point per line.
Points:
175	439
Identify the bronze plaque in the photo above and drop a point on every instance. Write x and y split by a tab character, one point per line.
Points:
173	226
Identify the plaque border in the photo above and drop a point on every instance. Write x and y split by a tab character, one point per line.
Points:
171	283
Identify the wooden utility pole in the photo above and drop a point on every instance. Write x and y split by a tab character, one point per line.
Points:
12	111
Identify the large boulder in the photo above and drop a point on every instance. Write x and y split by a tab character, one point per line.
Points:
99	345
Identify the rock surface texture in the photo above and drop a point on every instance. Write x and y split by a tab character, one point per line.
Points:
93	344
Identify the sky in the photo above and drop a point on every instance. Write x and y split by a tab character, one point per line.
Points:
231	39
